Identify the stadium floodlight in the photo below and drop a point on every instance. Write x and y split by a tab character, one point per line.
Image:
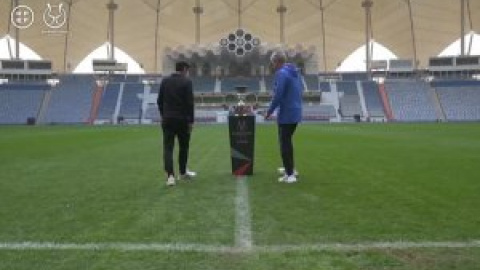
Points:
441	63
240	51
223	42
240	42
400	65
232	47
106	65
33	70
467	62
240	33
379	64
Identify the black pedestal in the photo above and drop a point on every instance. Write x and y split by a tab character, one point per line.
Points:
242	143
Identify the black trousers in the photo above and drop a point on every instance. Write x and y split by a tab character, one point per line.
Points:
180	129
285	134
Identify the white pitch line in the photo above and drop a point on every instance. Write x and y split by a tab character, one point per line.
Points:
186	247
243	224
202	248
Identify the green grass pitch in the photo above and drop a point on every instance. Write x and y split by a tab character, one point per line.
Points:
360	184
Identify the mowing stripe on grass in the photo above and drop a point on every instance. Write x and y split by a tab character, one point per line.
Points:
185	247
366	246
243	226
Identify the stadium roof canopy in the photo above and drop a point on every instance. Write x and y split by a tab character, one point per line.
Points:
436	24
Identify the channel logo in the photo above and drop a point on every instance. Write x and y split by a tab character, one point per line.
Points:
22	17
54	16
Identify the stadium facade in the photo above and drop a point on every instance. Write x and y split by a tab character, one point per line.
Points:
228	43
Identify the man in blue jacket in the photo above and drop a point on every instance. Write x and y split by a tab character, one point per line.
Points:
287	98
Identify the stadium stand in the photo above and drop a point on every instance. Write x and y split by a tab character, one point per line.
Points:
109	101
311	97
347	87
372	99
205	115
349	99
202	84
410	100
154	88
209	99
71	100
124	78
325	87
460	100
311	81
354	76
269	83
20	101
318	112
350	106
152	113
229	83
131	100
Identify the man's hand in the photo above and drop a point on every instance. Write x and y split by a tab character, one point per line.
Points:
264	114
190	127
268	116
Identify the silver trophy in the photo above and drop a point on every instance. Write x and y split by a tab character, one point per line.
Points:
241	108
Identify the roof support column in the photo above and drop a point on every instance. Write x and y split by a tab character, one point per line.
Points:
239	14
367	4
67	35
462	27
412	32
198	10
281	10
17	35
112	7
155	60
324	43
470	24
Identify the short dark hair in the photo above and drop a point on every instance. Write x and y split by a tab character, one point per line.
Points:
181	66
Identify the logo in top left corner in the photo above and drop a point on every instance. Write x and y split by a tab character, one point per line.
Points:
55	16
22	16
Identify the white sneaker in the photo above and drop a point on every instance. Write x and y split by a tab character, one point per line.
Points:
287	179
281	171
171	181
188	175
283	178
291	179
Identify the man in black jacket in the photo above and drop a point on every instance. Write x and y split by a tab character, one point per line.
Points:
175	102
